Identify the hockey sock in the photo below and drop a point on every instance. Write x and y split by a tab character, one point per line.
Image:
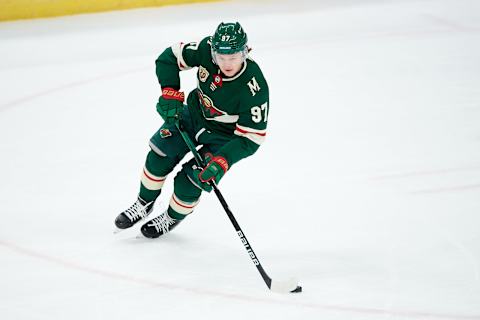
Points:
179	209
185	197
153	176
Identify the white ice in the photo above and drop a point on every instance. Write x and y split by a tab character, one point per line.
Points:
367	188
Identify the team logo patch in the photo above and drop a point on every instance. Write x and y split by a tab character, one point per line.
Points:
208	107
165	133
217	80
203	74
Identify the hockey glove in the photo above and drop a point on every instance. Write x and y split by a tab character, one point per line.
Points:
170	104
214	170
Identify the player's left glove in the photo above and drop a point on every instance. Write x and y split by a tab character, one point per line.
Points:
214	170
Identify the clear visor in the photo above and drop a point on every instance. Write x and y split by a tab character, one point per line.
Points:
233	58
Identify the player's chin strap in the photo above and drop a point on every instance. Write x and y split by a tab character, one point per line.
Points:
278	286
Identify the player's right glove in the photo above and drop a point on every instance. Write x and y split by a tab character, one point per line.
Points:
215	169
170	104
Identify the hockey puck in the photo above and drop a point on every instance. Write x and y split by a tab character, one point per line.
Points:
297	289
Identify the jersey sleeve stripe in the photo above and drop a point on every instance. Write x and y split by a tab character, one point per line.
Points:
177	49
250	130
257	137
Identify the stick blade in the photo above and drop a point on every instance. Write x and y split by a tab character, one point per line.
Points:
290	285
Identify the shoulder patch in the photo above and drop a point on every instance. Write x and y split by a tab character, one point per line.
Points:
203	73
253	86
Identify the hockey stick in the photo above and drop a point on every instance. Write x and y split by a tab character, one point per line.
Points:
276	286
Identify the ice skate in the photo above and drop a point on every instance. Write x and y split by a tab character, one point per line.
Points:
159	225
137	212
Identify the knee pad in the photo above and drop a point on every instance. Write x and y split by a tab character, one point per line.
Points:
184	189
155	171
159	165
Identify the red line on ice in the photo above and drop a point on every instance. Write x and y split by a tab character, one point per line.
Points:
154	283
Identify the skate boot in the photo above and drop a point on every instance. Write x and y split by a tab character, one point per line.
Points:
139	210
159	226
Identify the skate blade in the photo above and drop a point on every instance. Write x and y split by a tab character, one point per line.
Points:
129	235
117	230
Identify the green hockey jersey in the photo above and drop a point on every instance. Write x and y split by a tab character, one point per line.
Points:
235	107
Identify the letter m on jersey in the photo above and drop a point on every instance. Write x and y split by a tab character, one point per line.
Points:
253	86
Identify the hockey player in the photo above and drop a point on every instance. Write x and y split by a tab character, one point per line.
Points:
226	114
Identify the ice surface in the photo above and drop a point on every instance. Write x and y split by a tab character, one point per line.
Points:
367	188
